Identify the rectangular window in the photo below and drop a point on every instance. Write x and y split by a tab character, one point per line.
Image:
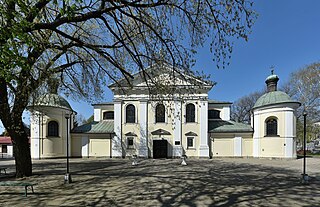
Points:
4	149
213	114
108	115
130	142
177	143
190	143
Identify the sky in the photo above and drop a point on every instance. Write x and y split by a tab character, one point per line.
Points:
286	35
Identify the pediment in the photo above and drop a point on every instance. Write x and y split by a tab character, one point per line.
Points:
161	75
160	132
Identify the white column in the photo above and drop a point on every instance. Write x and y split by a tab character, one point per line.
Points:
177	149
117	138
35	124
85	146
289	146
256	136
204	147
237	143
143	119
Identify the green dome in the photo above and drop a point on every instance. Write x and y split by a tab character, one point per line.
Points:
53	100
272	77
273	97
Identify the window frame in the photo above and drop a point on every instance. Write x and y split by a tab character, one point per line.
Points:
271	127
105	114
162	116
214	113
132	119
4	149
130	139
190	115
53	132
193	142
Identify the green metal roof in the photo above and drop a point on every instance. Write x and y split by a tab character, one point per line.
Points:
53	100
273	97
272	77
102	127
218	126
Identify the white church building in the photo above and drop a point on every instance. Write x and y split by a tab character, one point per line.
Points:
178	120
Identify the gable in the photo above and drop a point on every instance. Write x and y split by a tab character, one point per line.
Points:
161	76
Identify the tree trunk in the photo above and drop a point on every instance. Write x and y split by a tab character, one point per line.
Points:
22	156
11	118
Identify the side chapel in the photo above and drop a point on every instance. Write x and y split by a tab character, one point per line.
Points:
165	124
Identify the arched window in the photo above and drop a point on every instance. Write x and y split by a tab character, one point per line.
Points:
213	114
190	113
130	114
272	127
108	115
53	129
160	113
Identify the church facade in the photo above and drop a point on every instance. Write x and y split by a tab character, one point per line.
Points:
167	122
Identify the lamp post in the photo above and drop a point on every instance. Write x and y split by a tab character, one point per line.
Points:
67	177
305	177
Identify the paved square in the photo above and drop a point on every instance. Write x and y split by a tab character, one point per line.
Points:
203	182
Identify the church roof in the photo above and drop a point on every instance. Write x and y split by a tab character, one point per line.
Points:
102	127
273	97
272	77
222	126
53	100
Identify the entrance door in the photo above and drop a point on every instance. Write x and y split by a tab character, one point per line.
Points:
160	148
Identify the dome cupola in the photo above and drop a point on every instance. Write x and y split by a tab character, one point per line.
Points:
272	82
273	96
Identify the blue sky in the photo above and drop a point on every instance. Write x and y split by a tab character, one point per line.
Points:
286	35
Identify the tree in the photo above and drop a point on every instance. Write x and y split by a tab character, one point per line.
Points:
89	120
241	109
87	43
304	86
79	120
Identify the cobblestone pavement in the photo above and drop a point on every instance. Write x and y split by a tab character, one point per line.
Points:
164	182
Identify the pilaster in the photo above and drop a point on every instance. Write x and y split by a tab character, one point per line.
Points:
117	138
97	114
226	113
256	136
237	142
289	145
177	149
204	147
143	121
85	146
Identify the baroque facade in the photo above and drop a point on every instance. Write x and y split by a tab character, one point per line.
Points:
178	120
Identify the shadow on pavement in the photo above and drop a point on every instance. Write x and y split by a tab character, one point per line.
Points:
113	182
